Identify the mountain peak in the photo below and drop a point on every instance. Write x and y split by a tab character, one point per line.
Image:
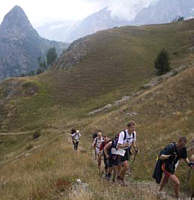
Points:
15	15
17	8
16	22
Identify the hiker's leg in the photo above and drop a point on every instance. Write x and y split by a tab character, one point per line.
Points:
74	145
119	168
95	154
114	173
164	182
106	165
99	162
77	143
176	183
125	167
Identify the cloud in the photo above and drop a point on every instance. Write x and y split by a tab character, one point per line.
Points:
43	11
124	9
128	9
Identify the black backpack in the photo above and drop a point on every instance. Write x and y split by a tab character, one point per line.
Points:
94	135
116	139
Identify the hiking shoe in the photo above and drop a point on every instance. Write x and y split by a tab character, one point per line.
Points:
107	177
121	181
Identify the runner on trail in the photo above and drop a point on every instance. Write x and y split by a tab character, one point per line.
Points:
106	161
168	161
94	136
126	141
75	134
96	145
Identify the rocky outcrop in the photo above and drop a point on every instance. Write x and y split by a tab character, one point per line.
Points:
20	45
74	54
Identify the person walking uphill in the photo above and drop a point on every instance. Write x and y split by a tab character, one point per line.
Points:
75	134
167	163
126	141
96	145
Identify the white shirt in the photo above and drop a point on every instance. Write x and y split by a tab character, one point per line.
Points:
76	136
130	137
98	142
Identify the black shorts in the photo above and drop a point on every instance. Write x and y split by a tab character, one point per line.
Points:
113	161
125	157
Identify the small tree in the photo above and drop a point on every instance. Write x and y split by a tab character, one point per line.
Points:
178	19
51	56
162	63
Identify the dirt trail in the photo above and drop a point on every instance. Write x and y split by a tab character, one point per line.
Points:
149	187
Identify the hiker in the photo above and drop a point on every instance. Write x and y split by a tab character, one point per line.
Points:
168	160
106	161
96	145
126	141
75	134
110	153
94	136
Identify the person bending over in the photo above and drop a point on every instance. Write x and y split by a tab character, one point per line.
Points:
170	157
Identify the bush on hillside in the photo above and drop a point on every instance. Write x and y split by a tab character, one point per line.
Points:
162	63
51	56
36	134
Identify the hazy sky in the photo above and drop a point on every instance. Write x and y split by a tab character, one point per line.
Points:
41	11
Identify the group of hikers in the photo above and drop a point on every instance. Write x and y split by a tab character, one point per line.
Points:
116	153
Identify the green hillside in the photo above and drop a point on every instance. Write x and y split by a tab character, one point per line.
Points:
114	63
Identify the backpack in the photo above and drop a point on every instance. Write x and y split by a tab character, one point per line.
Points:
116	139
94	135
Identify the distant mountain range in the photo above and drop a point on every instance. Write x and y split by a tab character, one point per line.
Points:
69	31
21	45
165	11
160	11
57	30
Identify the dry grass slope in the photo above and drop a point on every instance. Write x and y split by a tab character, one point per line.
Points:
118	62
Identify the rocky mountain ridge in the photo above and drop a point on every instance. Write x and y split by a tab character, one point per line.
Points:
21	45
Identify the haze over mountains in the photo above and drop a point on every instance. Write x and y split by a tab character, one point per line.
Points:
21	45
164	11
159	11
69	32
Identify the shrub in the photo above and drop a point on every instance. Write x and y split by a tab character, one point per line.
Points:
162	63
36	135
51	56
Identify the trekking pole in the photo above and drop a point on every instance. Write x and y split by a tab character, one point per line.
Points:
134	157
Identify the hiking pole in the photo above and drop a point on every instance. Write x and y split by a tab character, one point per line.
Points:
134	157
